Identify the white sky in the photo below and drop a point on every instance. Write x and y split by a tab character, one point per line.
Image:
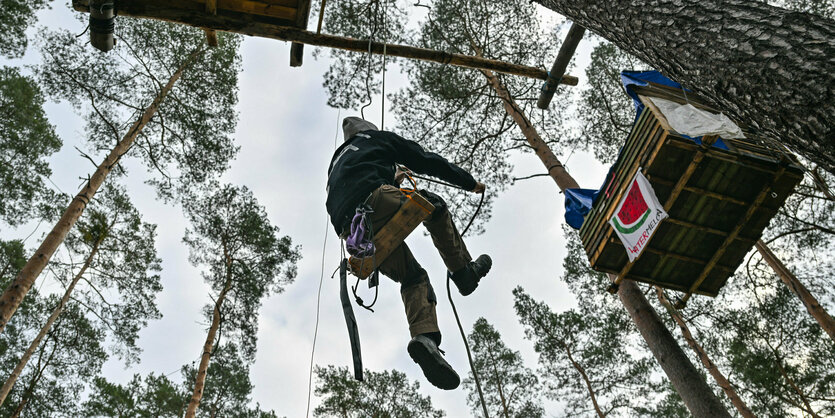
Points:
286	133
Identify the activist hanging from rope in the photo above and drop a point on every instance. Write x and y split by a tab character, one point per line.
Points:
362	190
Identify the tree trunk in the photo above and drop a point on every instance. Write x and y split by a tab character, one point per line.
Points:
14	293
769	68
7	387
694	391
717	375
203	369
810	302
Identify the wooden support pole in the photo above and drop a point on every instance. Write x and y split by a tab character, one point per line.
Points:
211	35
238	23
569	45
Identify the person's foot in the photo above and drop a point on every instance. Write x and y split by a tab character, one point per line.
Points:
426	354
466	279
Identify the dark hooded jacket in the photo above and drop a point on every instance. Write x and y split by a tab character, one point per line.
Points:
366	160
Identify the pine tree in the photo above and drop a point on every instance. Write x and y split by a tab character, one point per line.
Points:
15	18
510	388
160	95
244	259
26	140
386	394
119	258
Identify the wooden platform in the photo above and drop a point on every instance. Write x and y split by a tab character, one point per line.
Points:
392	234
719	202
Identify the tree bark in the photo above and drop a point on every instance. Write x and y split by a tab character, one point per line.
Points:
717	375
694	391
810	302
582	371
202	370
769	68
14	293
7	387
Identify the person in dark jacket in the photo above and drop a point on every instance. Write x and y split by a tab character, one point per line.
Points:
362	173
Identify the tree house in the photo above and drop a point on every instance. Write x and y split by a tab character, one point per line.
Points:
719	200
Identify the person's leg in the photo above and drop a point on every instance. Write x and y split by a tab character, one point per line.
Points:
418	297
464	273
401	266
444	234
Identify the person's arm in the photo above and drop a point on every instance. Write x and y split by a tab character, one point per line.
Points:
412	155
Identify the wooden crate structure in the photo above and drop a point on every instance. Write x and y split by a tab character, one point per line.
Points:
718	201
390	235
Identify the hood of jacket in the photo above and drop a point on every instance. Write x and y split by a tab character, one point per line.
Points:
353	125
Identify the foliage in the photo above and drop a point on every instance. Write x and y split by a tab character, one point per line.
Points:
585	353
120	286
228	388
154	396
510	388
352	79
26	140
605	111
385	394
231	237
188	140
15	18
69	356
457	113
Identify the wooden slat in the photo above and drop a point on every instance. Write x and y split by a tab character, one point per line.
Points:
698	190
595	220
732	236
392	234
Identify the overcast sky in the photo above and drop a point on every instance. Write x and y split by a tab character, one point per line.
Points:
286	133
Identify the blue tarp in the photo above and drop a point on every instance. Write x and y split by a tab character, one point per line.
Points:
578	202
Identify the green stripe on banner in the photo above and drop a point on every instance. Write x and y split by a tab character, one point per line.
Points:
624	230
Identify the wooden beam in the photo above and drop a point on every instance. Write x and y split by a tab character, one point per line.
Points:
211	35
265	27
698	190
569	45
297	49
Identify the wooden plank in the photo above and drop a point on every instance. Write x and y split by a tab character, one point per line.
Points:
392	234
591	230
732	236
261	8
211	35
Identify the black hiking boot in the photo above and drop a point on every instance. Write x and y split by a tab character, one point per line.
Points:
466	279
426	354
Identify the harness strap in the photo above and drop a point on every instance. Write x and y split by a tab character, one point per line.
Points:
350	319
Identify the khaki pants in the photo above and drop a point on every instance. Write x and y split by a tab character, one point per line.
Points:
415	289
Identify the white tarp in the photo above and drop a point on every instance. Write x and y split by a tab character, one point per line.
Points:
688	120
637	216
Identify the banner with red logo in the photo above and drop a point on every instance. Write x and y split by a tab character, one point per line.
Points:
637	216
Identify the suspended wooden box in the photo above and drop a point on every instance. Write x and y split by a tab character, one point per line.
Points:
719	202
